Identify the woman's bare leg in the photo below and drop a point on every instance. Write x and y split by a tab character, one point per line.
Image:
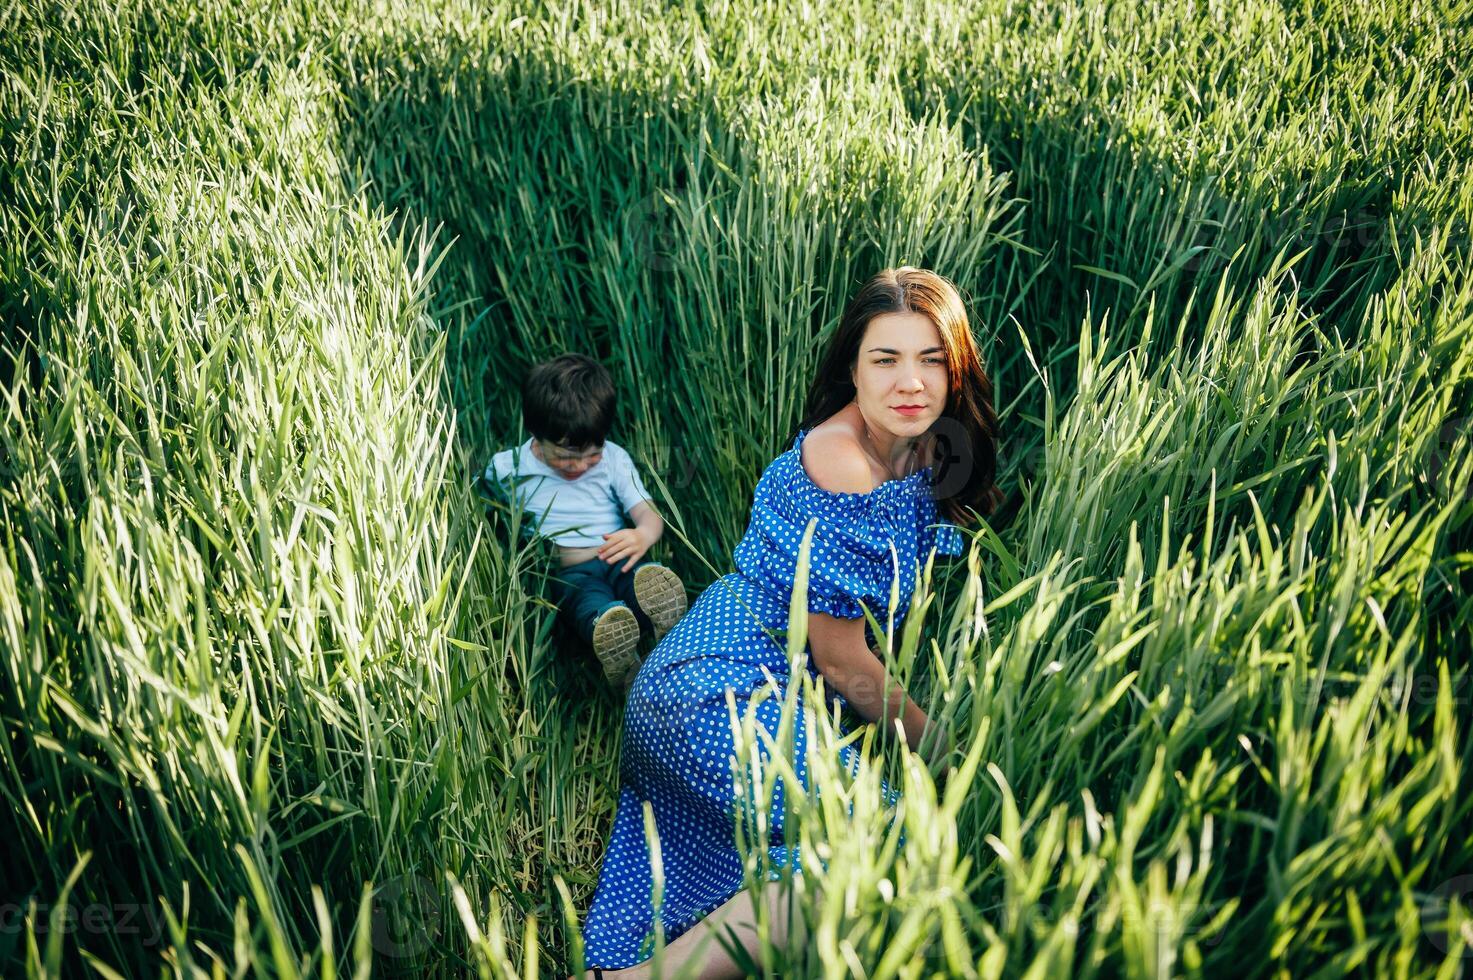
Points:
700	942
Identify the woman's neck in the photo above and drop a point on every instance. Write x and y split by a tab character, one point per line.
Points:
891	450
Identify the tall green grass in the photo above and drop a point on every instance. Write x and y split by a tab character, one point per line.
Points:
279	698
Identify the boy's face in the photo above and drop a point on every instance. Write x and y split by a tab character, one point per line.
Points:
568	462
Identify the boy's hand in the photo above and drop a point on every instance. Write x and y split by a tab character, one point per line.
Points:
628	544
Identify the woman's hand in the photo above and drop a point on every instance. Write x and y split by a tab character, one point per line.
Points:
857	672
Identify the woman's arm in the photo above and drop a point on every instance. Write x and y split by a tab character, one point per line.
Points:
839	651
849	667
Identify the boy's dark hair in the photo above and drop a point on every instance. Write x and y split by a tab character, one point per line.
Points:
568	400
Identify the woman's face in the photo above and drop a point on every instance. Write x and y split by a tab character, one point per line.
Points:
900	377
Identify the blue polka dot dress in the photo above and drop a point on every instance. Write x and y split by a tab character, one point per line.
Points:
677	750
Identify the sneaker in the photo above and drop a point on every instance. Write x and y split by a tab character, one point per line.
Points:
615	635
661	595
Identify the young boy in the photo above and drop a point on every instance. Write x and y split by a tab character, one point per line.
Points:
575	488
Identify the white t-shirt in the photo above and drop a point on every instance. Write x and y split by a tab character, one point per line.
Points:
573	513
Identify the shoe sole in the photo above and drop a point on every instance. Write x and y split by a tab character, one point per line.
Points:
615	637
661	595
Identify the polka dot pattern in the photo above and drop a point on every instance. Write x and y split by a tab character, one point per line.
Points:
678	751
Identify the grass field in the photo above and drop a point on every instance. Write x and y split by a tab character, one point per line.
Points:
278	698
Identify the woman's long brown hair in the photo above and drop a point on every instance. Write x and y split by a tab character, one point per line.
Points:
963	443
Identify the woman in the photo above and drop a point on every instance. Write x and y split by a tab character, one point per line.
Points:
899	421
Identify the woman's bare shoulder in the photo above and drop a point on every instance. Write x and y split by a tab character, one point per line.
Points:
834	460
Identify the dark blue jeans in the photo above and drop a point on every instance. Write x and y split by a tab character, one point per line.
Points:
585	590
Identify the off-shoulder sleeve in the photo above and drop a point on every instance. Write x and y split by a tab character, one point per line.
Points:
853	558
946	538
